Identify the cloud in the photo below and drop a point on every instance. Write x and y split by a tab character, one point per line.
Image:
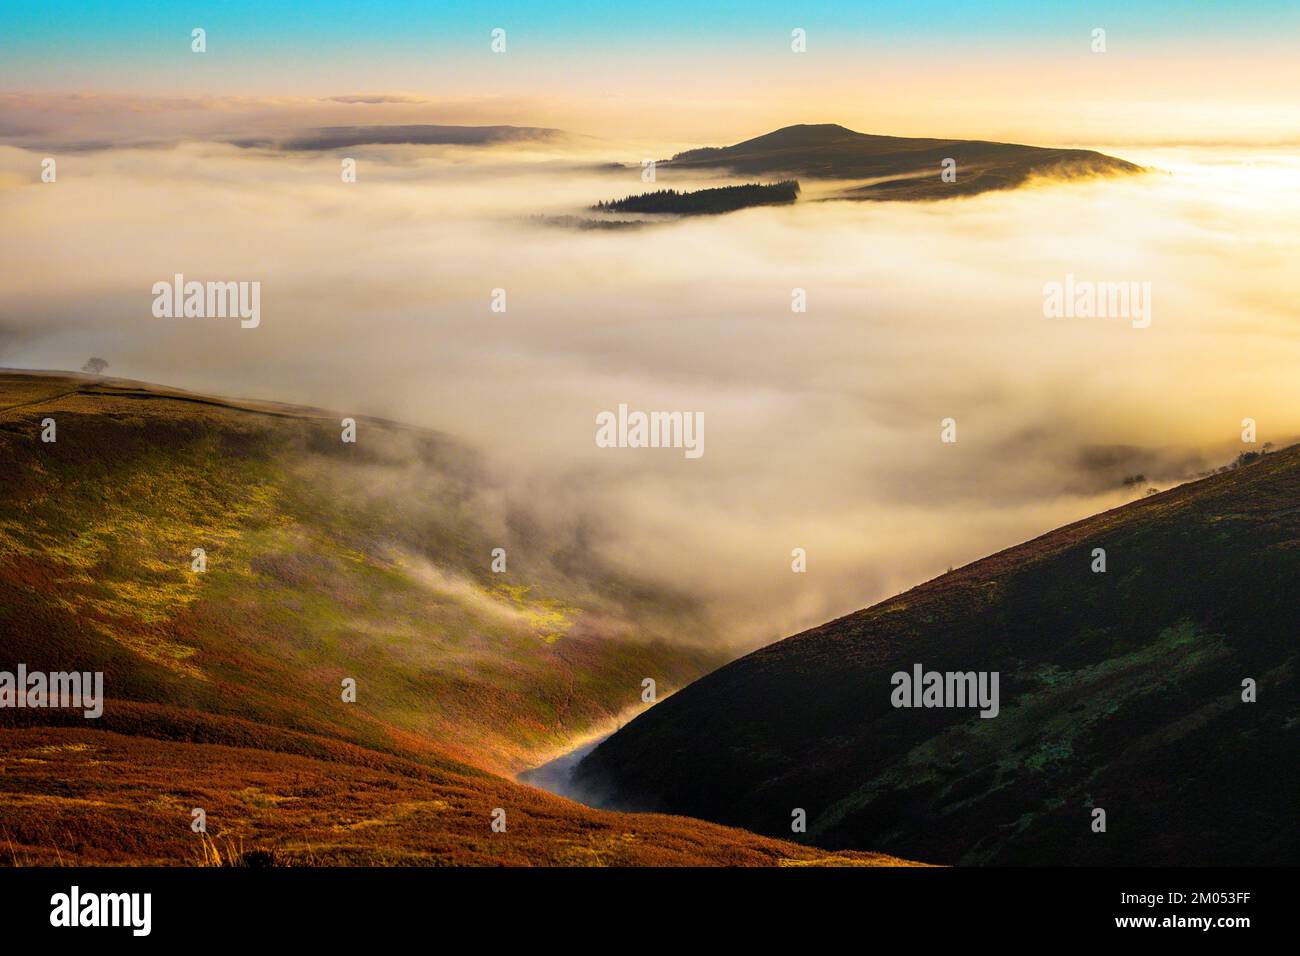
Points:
336	137
93	121
377	98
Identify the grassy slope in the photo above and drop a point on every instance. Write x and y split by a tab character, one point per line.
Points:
325	561
911	165
1118	690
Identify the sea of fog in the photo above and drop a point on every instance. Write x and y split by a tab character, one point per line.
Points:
822	428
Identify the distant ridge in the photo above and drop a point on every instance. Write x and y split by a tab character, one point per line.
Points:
898	167
338	137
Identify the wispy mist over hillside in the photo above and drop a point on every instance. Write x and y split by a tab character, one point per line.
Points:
823	427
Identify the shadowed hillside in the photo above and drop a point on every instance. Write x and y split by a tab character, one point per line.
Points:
324	561
1119	690
904	168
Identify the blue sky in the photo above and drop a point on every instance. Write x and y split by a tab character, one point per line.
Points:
66	37
1003	68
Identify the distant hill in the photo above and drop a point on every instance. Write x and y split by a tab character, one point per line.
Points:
1119	690
324	561
339	137
909	168
704	201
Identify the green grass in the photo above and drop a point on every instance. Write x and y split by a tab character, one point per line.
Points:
324	561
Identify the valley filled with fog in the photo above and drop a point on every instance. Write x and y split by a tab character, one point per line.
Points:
822	428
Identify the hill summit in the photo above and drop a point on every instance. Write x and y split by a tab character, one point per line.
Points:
900	167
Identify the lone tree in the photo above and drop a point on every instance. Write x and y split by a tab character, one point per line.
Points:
95	366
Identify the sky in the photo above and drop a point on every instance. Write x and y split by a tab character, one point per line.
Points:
692	73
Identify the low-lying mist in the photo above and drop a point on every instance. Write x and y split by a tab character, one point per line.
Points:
822	428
